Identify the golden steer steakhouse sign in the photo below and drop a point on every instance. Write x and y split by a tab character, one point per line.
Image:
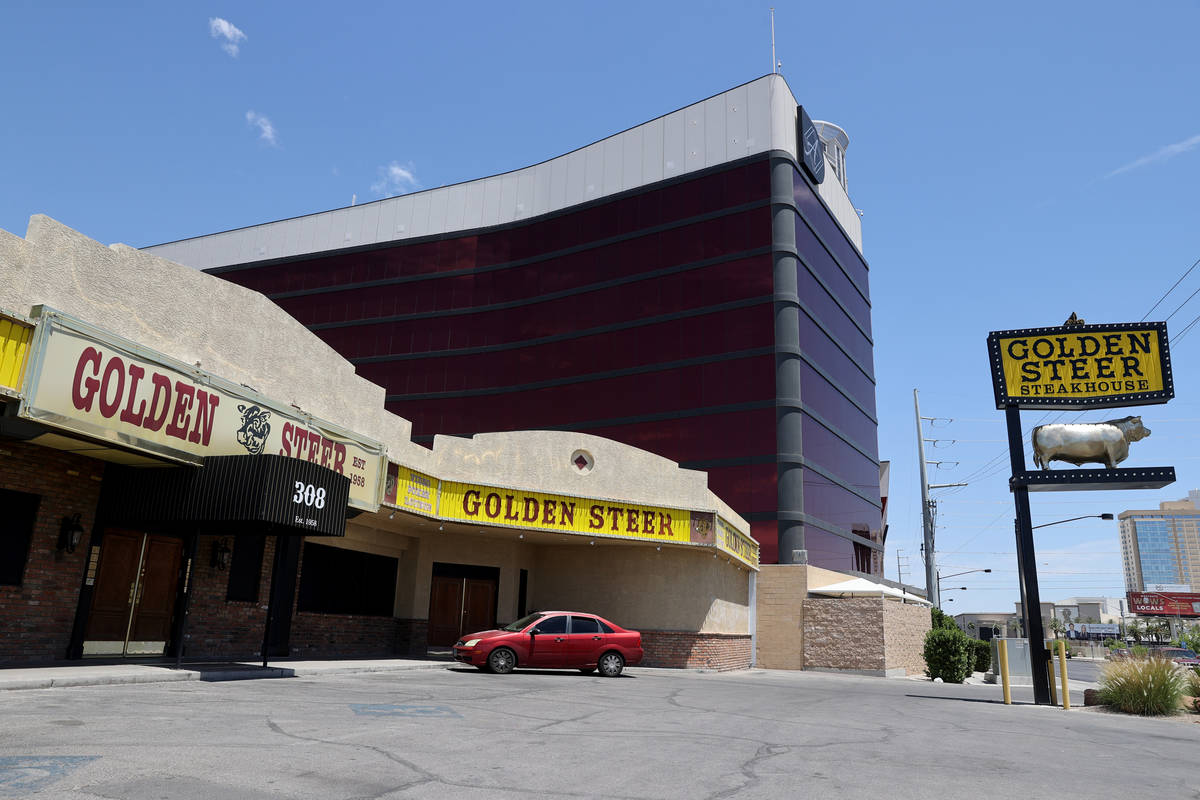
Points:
1082	366
94	383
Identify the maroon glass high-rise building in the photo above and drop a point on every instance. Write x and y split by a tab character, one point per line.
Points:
686	286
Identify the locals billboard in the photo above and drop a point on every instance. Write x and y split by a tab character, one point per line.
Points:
88	381
1081	366
1165	604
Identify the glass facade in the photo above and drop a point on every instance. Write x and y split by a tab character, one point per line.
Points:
1160	548
647	319
837	392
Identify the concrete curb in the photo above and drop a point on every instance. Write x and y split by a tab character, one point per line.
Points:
118	675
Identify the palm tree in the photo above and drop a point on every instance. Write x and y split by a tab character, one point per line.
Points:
1136	629
1160	629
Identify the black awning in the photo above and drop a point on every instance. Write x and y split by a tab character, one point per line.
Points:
287	495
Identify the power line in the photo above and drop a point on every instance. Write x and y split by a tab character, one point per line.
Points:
1164	297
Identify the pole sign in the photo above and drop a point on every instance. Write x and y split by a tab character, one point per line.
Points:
1081	367
91	382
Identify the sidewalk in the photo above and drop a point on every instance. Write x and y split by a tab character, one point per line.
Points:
85	674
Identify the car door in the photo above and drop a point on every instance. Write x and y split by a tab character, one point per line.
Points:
548	645
584	641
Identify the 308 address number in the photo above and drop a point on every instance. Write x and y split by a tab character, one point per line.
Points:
309	495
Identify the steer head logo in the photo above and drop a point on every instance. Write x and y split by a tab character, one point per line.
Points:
256	427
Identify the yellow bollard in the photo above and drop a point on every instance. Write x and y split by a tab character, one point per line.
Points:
1062	666
1002	654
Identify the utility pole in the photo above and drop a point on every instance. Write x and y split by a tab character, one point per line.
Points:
931	587
899	568
927	510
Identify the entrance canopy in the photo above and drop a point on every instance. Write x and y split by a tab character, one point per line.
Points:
290	495
861	587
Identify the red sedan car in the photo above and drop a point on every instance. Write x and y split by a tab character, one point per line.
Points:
554	640
1180	655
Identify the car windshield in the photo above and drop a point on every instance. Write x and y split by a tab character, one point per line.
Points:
523	622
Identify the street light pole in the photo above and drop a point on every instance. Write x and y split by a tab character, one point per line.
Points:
956	574
1027	562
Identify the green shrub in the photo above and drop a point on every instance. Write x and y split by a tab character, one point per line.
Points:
982	655
1191	638
943	621
947	655
1139	651
1193	687
1146	686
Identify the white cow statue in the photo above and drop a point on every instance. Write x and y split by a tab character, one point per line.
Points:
1104	443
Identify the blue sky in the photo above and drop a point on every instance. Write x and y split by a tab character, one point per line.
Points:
1013	164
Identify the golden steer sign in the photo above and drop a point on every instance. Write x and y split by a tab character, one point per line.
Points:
1089	366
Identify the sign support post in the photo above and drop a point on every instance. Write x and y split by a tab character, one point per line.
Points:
1031	601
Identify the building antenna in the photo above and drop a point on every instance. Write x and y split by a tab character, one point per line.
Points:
774	63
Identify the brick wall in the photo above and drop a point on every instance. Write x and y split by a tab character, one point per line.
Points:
412	637
343	636
845	633
685	650
36	617
220	628
904	629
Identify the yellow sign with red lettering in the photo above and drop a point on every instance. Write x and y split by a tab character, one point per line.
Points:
514	508
737	544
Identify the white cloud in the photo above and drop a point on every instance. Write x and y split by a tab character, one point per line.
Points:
395	179
1162	154
266	131
224	29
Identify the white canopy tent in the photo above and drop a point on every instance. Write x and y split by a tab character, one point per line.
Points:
861	587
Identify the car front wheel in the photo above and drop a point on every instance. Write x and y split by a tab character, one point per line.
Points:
502	660
611	664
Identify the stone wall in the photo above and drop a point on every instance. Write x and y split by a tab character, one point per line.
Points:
844	633
904	629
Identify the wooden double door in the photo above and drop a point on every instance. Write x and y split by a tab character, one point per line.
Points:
460	604
133	601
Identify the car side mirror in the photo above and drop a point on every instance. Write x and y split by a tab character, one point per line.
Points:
535	631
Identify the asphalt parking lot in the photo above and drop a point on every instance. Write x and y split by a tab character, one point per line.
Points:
461	733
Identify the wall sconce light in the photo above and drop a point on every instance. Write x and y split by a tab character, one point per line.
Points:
222	553
69	534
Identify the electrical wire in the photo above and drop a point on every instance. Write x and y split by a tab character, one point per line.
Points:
1164	297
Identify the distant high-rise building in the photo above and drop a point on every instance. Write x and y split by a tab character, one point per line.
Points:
1160	550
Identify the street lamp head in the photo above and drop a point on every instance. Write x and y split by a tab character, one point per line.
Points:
1106	516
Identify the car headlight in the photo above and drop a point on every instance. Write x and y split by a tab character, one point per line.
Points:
471	643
